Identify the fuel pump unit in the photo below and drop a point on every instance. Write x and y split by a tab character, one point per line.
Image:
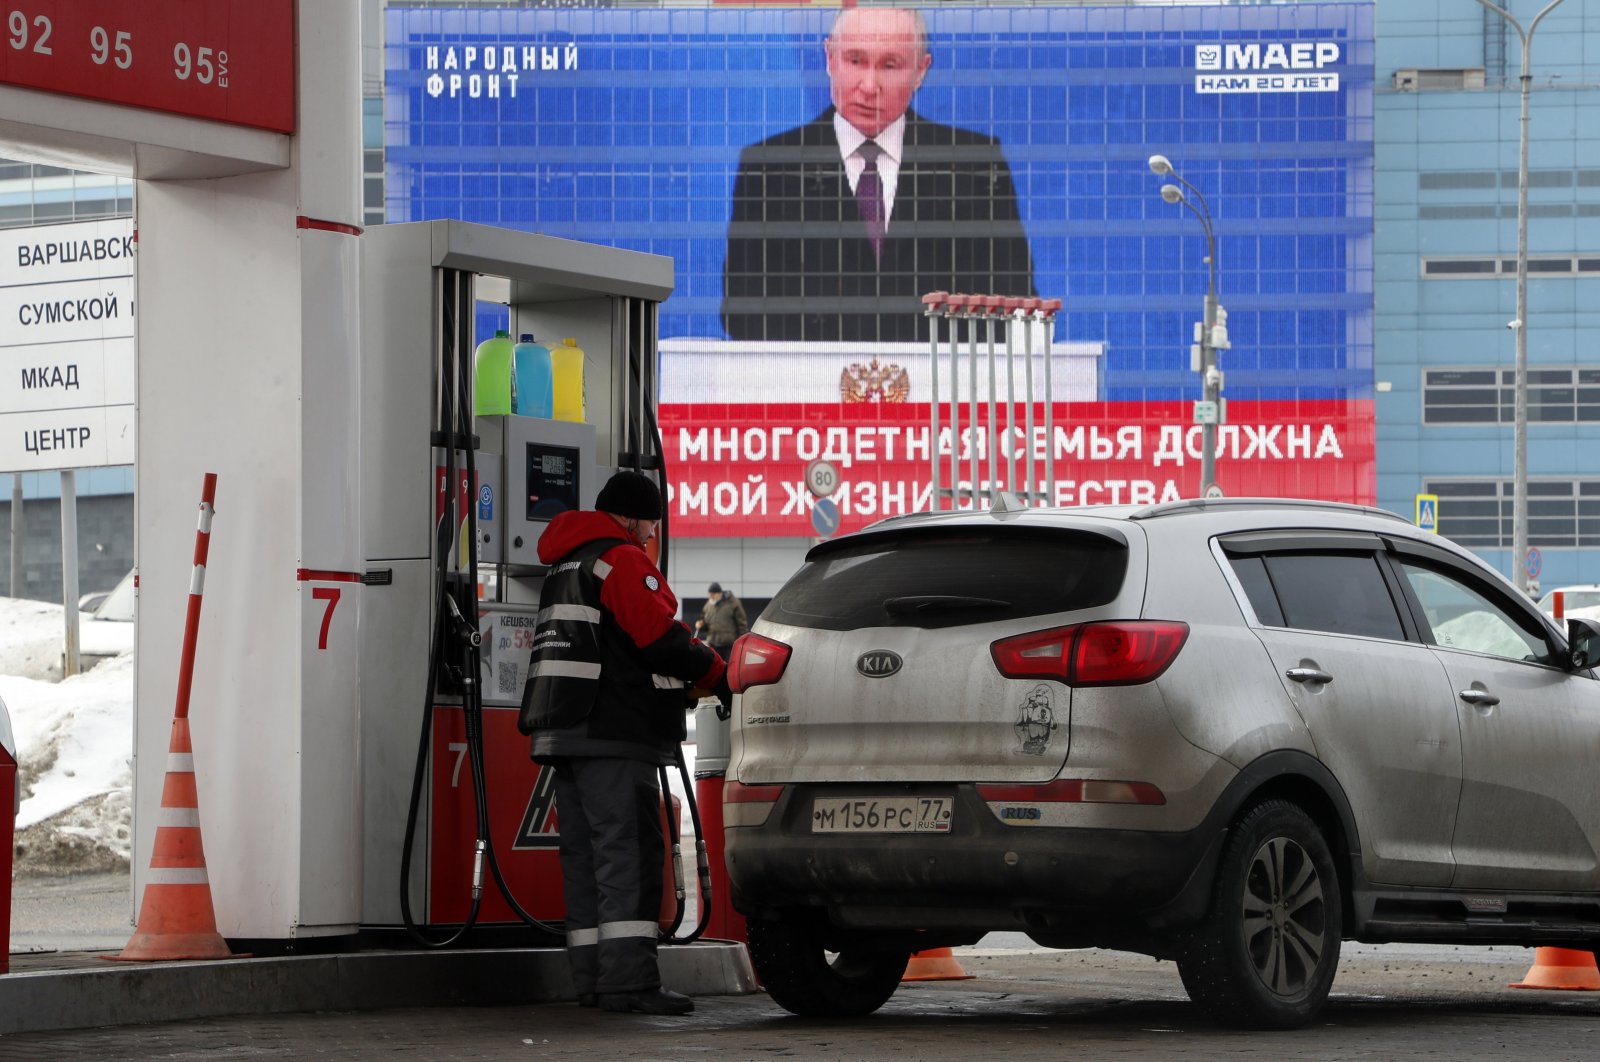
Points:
452	510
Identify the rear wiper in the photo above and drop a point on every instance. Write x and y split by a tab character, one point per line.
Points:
911	603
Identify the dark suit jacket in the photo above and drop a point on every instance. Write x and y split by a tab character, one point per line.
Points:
799	265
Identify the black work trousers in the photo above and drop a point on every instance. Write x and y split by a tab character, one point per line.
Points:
609	812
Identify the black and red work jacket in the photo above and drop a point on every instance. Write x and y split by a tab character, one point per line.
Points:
611	661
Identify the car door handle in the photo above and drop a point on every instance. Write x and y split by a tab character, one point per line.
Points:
1309	674
1479	697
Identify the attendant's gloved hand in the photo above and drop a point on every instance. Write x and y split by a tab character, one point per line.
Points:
724	695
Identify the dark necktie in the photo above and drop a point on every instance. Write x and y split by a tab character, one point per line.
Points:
869	196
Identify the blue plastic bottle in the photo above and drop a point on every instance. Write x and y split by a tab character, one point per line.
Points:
535	393
492	361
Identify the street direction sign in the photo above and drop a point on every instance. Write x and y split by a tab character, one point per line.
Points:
825	517
67	346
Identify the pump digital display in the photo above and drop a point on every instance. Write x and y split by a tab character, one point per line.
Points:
552	480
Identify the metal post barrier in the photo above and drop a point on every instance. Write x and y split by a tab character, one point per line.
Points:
956	307
934	308
991	309
1047	314
973	314
1009	308
1025	317
963	316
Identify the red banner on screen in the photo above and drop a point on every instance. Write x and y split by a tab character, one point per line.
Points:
226	60
738	470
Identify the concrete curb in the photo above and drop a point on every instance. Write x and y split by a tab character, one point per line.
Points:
114	993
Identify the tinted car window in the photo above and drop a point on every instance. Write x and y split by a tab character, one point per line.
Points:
1252	573
1341	593
947	577
1464	618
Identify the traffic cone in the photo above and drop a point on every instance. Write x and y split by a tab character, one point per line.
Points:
935	964
1561	968
176	918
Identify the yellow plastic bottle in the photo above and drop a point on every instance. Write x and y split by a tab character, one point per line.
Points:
567	365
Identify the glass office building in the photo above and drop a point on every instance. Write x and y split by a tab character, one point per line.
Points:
1447	115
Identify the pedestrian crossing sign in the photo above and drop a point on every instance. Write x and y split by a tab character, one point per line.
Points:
1428	513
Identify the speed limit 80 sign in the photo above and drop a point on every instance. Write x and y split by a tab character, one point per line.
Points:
822	478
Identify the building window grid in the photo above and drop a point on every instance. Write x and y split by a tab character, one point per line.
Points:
1486	395
33	194
1479	267
1477	514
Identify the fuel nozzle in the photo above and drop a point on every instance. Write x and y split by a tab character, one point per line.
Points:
468	634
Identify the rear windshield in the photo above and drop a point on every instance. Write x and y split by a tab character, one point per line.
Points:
947	577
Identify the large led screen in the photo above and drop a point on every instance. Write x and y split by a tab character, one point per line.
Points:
812	182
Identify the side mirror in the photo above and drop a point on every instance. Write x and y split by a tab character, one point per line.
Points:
1583	644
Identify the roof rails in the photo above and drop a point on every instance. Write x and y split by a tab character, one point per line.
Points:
1200	505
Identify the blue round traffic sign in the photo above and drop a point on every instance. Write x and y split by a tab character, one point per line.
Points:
1535	562
825	517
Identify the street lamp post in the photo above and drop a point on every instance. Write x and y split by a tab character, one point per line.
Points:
1213	333
1519	325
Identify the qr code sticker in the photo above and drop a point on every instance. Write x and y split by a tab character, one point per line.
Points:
506	677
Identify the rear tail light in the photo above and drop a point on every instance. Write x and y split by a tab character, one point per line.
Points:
739	793
1118	653
747	805
1072	791
756	661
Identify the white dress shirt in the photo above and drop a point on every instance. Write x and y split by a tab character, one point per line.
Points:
891	140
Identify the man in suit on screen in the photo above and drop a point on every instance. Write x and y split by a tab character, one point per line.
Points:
841	225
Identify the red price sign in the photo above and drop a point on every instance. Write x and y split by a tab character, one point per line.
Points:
227	60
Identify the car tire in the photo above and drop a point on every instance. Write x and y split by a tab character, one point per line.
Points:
805	979
1265	955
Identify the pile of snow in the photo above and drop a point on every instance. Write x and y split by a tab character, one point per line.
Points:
74	746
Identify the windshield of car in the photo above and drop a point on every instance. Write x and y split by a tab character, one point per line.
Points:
942	577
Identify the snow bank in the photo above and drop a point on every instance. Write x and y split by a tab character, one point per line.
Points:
74	746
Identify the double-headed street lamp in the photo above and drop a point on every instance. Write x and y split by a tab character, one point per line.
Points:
1519	324
1211	334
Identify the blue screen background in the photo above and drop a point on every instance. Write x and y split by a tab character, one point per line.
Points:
638	146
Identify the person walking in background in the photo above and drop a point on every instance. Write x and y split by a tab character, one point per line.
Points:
840	226
610	676
722	621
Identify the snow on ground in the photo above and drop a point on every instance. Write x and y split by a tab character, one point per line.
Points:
74	746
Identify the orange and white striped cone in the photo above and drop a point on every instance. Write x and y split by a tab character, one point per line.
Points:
1564	969
176	918
935	964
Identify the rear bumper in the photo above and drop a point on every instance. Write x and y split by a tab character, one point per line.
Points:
983	875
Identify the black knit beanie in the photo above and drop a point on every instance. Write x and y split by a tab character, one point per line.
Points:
631	494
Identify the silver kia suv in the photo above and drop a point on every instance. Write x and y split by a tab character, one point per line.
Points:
1230	733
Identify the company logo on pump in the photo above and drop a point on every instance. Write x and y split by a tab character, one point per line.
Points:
1298	66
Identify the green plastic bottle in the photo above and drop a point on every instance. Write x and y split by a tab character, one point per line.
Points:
492	369
567	362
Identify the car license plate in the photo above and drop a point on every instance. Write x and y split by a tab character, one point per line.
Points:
908	814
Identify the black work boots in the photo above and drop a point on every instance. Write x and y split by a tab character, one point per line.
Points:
650	1001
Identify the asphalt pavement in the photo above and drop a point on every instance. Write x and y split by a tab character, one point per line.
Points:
77	912
1021	1004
